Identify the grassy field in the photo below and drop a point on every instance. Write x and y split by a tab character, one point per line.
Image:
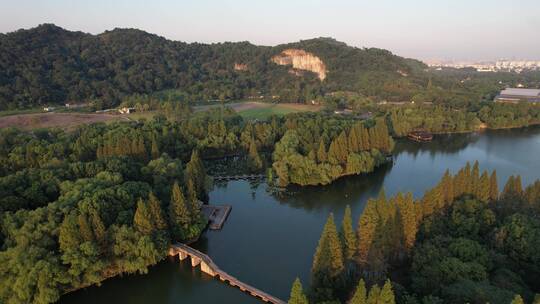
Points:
262	111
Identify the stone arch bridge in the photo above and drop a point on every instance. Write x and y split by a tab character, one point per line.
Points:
209	267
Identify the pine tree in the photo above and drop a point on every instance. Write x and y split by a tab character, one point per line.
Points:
297	294
195	172
360	294
141	149
374	293
143	218
328	259
192	200
85	228
254	160
509	187
69	236
367	225
493	186
354	138
387	294
154	149
154	205
475	179
447	187
321	152
408	219
483	192
467	189
517	300
518	188
179	216
348	235
98	227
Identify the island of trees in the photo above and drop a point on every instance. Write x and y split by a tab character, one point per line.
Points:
464	241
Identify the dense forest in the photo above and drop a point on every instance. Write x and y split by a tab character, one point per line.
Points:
464	241
78	207
48	65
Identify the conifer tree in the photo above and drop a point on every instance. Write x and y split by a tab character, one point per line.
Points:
517	300
493	186
408	219
354	138
154	205
154	149
509	187
367	225
467	179
387	294
98	227
321	152
365	143
69	236
348	235
518	188
360	294
475	178
328	263
85	228
254	160
447	187
195	172
179	216
483	192
143	218
297	294
373	296
192	200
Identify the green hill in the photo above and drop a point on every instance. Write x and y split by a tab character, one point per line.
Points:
48	65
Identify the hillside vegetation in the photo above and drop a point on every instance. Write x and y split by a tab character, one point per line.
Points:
48	64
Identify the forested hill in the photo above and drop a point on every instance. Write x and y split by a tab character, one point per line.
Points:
48	65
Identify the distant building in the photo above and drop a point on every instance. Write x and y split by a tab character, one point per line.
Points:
514	95
126	110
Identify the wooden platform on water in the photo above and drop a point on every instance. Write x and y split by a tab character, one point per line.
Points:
420	136
216	215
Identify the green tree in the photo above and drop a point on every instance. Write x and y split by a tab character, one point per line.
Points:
179	216
254	160
493	186
387	294
297	294
143	218
360	294
156	212
517	300
328	266
348	235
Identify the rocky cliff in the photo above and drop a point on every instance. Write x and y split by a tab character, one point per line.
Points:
302	60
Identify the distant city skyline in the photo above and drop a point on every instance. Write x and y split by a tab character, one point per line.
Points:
458	30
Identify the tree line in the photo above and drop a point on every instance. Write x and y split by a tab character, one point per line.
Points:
303	157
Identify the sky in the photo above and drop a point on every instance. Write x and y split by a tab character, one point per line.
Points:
456	30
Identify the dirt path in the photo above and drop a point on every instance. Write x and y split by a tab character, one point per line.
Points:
52	120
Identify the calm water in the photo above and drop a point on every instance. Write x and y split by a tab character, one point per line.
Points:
270	239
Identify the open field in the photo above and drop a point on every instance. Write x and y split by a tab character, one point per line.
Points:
64	121
262	110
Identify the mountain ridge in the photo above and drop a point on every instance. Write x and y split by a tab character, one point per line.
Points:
48	64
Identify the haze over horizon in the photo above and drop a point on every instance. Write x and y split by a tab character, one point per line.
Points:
453	30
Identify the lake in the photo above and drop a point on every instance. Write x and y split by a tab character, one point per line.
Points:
269	238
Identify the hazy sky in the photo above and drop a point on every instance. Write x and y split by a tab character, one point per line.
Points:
425	29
